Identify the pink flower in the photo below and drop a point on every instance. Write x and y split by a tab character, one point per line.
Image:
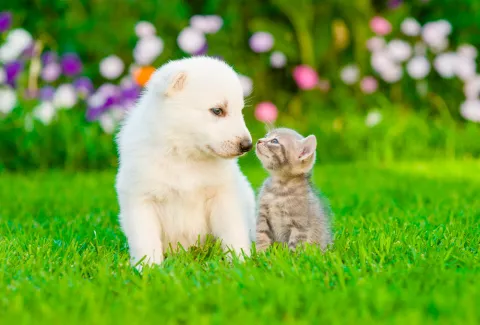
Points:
305	77
266	112
380	26
369	85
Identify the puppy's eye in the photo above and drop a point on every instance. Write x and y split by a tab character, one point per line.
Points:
217	111
274	141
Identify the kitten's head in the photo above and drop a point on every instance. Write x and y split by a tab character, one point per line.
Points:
285	152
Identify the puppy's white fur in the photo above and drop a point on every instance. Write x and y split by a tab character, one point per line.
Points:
178	179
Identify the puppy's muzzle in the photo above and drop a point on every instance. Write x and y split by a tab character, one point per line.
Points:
245	145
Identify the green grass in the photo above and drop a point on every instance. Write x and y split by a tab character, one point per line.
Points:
406	252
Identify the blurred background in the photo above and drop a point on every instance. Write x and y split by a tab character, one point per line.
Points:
374	80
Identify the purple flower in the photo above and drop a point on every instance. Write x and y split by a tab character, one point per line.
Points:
5	21
71	64
203	50
46	93
83	86
49	57
392	4
12	70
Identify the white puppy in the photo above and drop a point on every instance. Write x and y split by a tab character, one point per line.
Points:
178	179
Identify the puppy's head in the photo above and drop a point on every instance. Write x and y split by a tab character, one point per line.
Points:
202	103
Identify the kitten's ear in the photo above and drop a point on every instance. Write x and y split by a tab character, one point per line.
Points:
177	84
307	148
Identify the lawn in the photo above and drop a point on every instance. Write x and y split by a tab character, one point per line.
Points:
406	252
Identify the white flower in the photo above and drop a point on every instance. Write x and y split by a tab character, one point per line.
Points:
19	38
261	42
375	44
111	67
418	67
467	50
465	68
278	59
145	29
247	85
470	110
393	74
44	112
191	40
209	24
382	63
65	96
410	27
350	74
8	52
445	64
373	118
435	34
472	88
399	50
8	100
97	99
107	123
3	76
147	49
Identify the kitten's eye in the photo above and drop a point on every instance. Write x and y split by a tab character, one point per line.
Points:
274	141
217	111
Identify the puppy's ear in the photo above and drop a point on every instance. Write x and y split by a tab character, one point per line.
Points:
177	84
307	148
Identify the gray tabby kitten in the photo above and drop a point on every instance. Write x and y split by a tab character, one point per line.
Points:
290	210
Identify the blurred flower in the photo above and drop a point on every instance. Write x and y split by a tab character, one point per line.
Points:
142	75
44	112
465	67
202	51
65	97
12	70
247	85
305	77
472	88
467	50
381	61
148	49
51	72
47	93
83	86
368	85
380	26
278	59
111	67
399	50
49	57
130	91
350	74
30	51
418	67
19	38
191	40
261	42
266	112
3	76
393	4
107	123
375	43
8	100
445	64
373	118
411	27
470	110
144	29
393	74
71	64
5	21
435	34
209	24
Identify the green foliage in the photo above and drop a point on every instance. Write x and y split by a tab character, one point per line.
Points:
406	252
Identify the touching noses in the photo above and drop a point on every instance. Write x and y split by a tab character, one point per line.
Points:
245	145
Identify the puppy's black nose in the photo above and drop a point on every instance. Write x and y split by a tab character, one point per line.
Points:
245	145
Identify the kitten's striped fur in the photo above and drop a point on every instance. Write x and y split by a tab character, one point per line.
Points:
290	210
